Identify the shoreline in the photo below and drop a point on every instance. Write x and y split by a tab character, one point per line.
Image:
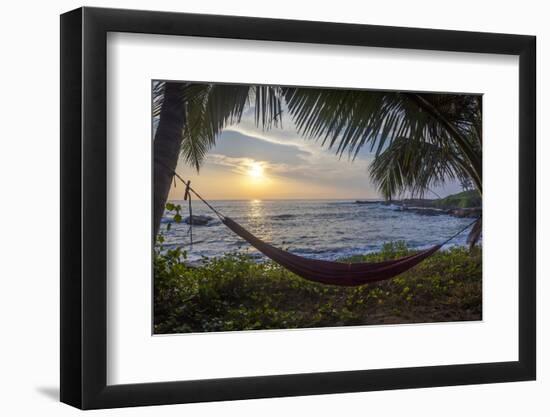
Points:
464	204
260	259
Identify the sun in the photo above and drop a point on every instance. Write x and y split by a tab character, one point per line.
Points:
255	170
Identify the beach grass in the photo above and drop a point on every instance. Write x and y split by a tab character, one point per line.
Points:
233	292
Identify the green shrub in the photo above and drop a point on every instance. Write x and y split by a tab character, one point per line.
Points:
465	199
233	292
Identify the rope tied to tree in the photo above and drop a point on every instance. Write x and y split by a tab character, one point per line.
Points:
187	196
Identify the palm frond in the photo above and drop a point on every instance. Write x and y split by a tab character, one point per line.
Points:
212	107
158	97
348	120
208	109
415	166
456	117
419	140
268	106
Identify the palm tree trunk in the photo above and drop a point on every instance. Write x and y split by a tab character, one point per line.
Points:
166	148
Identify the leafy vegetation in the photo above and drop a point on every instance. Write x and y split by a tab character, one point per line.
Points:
235	293
465	199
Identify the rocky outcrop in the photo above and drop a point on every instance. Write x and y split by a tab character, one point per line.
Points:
198	220
466	212
425	211
457	212
464	204
370	202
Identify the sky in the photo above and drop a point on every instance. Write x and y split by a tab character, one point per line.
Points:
249	163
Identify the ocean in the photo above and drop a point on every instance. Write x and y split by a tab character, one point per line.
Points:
321	229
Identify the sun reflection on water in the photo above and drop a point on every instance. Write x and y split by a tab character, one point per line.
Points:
257	219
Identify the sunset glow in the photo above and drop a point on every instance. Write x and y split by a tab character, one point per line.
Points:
248	163
255	170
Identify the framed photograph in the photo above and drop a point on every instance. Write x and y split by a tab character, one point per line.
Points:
257	208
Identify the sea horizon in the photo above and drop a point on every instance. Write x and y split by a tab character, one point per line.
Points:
317	228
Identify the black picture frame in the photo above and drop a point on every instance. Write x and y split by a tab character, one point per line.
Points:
84	207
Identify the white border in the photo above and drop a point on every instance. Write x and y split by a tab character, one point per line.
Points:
134	356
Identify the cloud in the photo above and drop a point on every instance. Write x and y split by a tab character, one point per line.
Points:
285	153
285	156
236	165
242	165
238	144
275	136
287	134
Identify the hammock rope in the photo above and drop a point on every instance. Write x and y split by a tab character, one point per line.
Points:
325	272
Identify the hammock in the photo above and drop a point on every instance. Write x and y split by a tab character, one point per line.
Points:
325	272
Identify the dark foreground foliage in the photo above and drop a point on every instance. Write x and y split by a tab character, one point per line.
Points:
235	293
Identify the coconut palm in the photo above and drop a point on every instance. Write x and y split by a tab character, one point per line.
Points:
419	140
191	116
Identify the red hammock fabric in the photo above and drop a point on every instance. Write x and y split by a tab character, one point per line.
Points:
327	272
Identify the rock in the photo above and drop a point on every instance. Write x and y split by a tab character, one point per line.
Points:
466	212
416	202
426	211
198	220
369	202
